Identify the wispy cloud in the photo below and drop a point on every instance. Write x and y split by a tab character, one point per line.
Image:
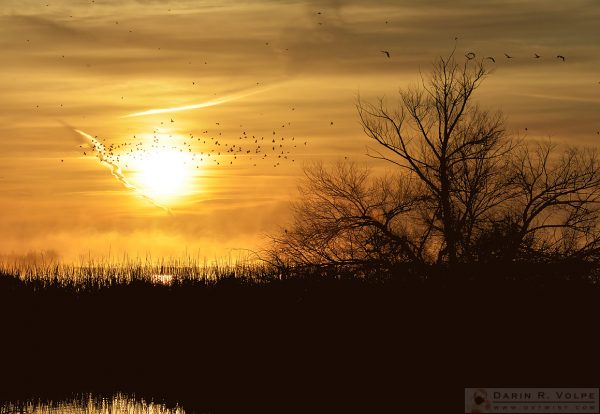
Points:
206	104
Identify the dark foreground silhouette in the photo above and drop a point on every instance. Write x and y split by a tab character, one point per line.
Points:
313	341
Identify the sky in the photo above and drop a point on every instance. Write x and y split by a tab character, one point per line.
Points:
156	84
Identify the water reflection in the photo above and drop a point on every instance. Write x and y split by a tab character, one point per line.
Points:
162	279
118	404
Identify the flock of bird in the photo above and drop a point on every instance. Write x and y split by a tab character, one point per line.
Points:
472	55
212	148
206	148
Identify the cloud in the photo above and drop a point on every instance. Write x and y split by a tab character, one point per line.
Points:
218	101
124	56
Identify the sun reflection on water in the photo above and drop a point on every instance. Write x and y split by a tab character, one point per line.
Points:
162	279
118	404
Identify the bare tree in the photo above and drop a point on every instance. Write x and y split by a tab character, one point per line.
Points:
344	216
556	211
463	192
453	147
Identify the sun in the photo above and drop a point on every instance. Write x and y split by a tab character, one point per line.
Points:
164	174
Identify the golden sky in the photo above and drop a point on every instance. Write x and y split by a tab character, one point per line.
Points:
239	71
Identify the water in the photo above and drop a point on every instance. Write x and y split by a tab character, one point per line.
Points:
118	404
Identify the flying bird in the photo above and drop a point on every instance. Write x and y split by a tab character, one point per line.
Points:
535	55
105	155
386	53
508	56
491	58
470	55
560	57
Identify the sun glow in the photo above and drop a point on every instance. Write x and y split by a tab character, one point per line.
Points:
164	174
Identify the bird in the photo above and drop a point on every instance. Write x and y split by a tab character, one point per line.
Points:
560	57
469	55
385	52
508	56
491	58
535	55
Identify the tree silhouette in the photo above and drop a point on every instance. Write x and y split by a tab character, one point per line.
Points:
456	149
346	217
555	208
464	191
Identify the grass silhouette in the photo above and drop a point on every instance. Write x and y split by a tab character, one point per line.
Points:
311	339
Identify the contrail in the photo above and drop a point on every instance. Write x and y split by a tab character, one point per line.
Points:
206	104
115	169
